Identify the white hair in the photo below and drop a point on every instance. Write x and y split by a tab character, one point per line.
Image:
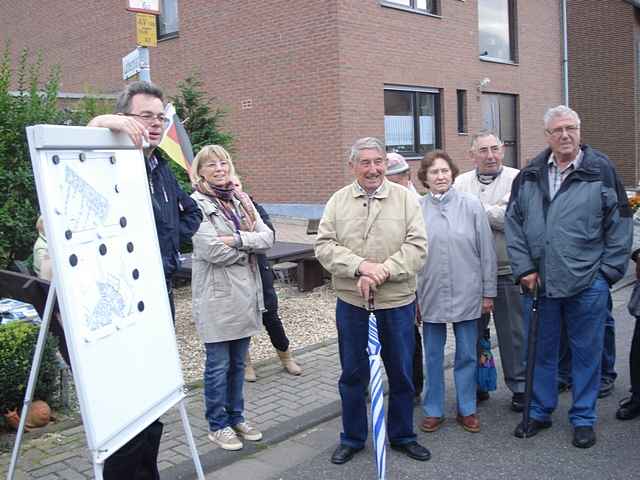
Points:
560	111
366	143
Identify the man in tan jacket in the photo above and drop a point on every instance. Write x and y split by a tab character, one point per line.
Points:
491	182
372	239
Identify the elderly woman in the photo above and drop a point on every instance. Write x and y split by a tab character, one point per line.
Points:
227	291
456	285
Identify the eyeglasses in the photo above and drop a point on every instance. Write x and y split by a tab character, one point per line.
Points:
559	131
149	117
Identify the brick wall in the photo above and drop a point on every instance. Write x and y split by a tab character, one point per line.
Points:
313	71
603	79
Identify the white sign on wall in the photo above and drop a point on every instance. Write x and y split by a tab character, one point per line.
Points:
144	6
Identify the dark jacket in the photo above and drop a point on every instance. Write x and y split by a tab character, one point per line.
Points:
176	215
266	273
584	230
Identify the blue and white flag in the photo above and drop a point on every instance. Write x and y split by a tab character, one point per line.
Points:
378	425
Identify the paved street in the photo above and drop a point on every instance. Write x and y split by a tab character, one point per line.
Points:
299	416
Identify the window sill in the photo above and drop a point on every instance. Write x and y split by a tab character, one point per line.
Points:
395	6
485	58
463	134
168	36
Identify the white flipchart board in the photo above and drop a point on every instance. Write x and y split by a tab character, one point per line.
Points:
94	196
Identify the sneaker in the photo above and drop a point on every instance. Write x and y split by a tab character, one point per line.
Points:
606	387
247	432
226	439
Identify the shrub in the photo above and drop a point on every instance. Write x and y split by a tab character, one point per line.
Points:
32	102
17	345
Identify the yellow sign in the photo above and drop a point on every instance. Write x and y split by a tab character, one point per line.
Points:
146	33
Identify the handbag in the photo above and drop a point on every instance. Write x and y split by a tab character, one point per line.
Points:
634	301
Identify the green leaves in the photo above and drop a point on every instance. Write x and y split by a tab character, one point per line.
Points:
17	345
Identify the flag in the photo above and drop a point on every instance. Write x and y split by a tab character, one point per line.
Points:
175	141
378	426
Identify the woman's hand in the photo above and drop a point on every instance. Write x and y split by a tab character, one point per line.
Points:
487	305
228	240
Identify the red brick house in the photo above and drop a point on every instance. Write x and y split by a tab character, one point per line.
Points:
303	80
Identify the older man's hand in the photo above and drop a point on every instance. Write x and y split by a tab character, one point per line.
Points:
487	305
376	271
530	282
121	123
365	286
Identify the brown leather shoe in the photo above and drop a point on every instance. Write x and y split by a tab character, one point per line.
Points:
470	423
431	424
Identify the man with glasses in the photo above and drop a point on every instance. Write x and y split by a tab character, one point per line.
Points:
140	115
491	183
568	228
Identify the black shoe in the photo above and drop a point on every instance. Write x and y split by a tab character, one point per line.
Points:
343	454
563	386
584	437
517	402
482	396
413	450
606	387
534	427
629	409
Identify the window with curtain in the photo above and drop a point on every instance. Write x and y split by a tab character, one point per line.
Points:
168	24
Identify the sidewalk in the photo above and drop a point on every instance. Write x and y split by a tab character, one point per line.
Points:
279	404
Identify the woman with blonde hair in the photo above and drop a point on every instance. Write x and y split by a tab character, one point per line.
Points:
227	291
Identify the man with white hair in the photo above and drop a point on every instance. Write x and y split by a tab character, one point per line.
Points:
568	228
372	239
491	183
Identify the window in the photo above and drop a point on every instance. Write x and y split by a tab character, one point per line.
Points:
496	29
411	120
421	6
461	96
168	19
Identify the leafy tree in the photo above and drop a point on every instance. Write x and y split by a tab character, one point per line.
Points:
201	120
33	102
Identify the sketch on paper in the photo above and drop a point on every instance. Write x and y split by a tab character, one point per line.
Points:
84	206
111	307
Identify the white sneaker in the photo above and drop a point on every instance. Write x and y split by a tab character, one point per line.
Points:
247	432
226	438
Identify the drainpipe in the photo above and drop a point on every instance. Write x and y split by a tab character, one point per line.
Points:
565	56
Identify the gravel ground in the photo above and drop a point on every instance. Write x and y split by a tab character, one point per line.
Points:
308	318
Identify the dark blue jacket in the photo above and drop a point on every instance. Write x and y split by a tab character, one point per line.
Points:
176	214
584	230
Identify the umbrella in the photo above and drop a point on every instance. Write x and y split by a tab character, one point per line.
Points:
378	426
531	361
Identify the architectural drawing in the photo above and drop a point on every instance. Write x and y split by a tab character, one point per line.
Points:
84	206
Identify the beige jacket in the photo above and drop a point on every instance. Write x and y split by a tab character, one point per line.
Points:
494	198
387	229
225	281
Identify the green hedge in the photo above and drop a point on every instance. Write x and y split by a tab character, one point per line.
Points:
17	345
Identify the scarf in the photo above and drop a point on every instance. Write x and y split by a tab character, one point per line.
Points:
487	178
241	218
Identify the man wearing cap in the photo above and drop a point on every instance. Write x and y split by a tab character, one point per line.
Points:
491	183
398	171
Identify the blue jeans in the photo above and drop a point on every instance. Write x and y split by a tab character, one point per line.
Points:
223	381
583	315
396	333
608	370
464	369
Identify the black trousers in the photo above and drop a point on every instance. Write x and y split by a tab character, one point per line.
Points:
634	361
136	459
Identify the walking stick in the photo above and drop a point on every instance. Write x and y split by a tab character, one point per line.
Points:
531	360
